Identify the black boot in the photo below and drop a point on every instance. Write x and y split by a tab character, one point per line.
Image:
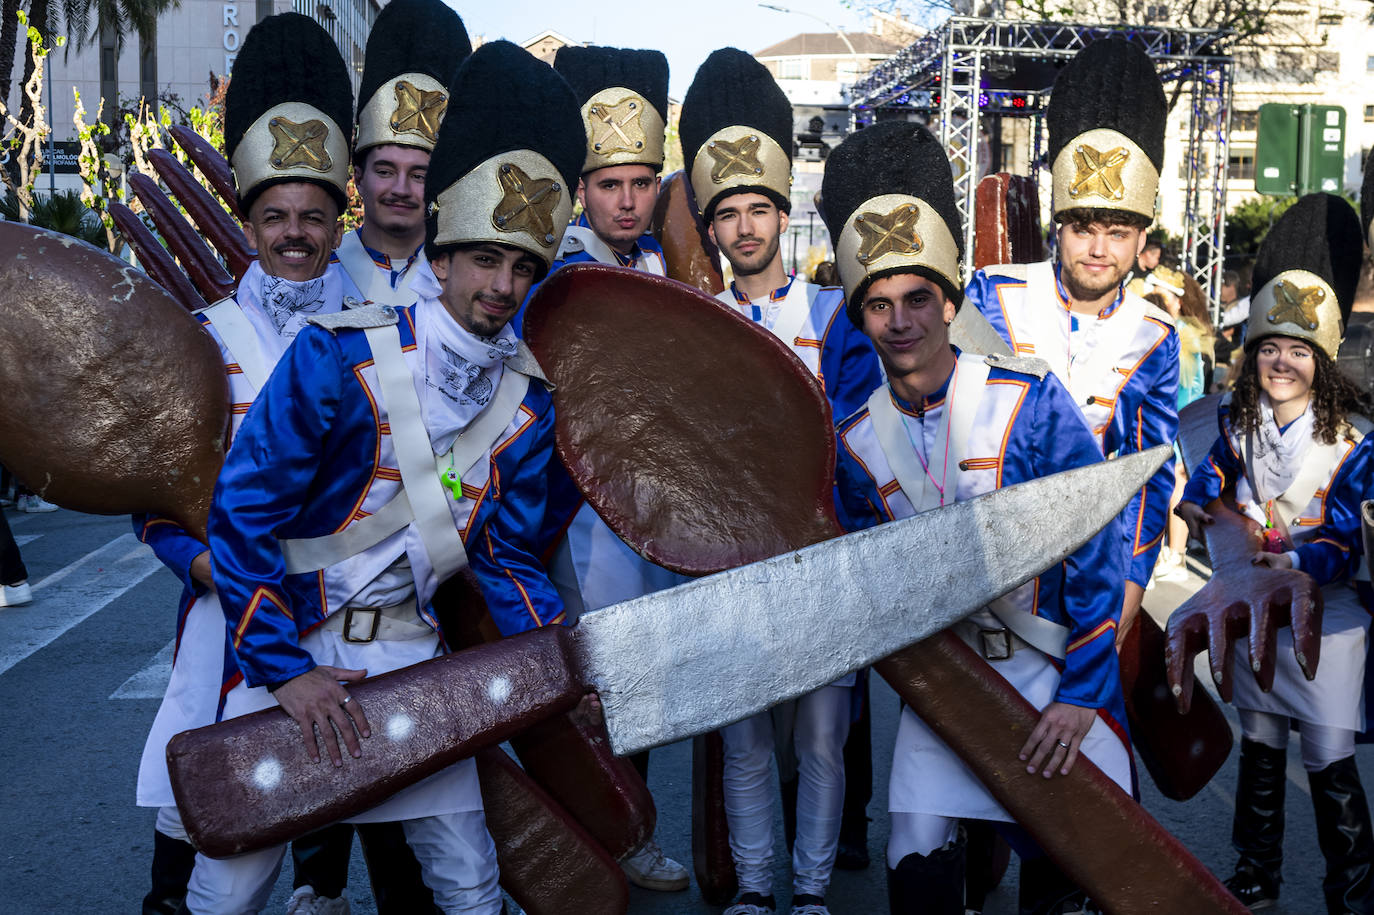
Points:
1345	836
173	860
852	853
930	884
1257	830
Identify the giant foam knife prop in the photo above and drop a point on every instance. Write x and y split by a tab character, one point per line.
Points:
667	665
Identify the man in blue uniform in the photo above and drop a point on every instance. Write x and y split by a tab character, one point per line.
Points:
289	66
412	51
736	130
946	427
1117	354
421	447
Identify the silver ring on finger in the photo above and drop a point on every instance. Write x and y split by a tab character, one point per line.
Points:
1060	742
346	700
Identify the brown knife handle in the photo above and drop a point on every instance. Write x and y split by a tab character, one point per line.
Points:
247	783
971	707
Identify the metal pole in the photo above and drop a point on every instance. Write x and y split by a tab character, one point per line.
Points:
52	157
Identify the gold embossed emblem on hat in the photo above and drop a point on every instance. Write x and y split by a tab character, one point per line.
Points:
417	110
1296	305
300	144
740	157
893	232
620	128
527	204
1098	173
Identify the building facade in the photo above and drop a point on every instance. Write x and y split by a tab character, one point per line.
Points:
196	42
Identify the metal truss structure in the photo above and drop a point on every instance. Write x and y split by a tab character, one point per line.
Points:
964	66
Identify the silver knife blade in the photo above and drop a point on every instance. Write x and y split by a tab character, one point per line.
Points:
972	333
691	659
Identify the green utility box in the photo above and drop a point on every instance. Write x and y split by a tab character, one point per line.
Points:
1300	150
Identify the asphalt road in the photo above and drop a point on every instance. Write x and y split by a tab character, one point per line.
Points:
82	668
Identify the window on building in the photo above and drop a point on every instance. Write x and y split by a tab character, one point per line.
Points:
1241	165
793	68
1369	114
1369	63
1245	120
1329	60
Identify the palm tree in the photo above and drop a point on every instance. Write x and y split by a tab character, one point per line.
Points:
112	22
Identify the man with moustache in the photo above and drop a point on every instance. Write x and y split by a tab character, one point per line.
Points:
413	49
736	130
289	67
947	427
1117	354
624	99
390	449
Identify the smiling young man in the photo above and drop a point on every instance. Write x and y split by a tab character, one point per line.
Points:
736	130
1117	354
412	51
289	68
390	449
947	427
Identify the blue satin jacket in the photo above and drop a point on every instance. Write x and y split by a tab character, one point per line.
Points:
1132	409
1024	428
303	466
1336	548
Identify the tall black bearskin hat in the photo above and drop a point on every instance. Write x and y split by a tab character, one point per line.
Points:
508	156
624	96
1306	272
413	49
890	208
289	109
1106	120
1367	198
736	131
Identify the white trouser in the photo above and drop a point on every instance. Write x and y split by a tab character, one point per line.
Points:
918	834
1322	744
821	727
456	854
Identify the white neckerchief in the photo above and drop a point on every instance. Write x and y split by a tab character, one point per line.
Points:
461	369
1279	455
279	308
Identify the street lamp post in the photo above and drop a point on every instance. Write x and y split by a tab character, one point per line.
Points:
834	28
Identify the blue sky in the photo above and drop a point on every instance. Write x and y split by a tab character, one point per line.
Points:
684	30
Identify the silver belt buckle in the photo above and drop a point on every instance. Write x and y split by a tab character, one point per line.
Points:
348	624
996	644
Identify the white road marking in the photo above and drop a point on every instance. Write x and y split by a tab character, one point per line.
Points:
21	539
71	595
151	681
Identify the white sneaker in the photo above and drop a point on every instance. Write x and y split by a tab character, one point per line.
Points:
650	869
304	901
15	595
33	504
809	908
